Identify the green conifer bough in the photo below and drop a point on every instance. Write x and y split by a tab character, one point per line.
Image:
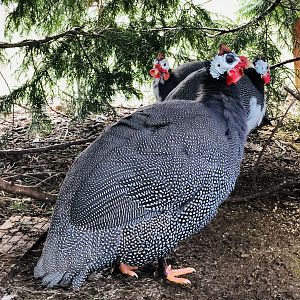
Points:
88	51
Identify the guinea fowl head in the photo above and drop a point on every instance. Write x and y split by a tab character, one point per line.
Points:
160	67
230	63
262	68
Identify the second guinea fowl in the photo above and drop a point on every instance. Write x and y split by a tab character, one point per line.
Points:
250	88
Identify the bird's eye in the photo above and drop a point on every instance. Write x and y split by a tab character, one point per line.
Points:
230	58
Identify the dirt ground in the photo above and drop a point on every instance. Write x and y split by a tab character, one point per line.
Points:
251	250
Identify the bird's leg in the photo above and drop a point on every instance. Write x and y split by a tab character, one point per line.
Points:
162	264
171	275
127	270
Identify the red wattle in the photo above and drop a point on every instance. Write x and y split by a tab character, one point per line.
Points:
233	76
166	76
266	78
158	70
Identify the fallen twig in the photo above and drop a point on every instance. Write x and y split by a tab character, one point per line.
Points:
28	191
60	174
13	176
46	148
266	191
255	167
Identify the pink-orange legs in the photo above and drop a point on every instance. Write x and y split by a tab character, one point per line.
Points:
172	274
128	270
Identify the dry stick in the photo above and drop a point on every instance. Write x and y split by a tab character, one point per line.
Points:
12	177
13	104
28	191
267	191
255	168
45	181
285	62
18	176
46	148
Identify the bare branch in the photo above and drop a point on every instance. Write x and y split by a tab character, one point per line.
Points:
294	94
34	42
46	148
255	167
28	191
285	62
37	42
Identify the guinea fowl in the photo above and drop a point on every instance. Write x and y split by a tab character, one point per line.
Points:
250	88
148	182
162	84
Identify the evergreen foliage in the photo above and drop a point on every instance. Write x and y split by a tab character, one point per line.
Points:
107	46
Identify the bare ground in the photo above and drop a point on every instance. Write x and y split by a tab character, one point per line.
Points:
251	250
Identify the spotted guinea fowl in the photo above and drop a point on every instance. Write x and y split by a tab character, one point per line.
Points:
249	87
148	182
162	84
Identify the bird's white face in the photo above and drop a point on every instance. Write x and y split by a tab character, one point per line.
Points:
223	63
160	69
163	63
261	67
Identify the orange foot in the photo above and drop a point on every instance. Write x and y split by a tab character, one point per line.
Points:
172	274
127	270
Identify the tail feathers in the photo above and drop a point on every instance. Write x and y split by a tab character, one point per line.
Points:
62	278
69	255
52	279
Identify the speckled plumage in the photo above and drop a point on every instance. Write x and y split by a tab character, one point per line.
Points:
148	182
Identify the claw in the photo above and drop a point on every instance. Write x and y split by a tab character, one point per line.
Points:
172	274
127	270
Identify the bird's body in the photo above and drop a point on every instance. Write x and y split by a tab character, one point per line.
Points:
148	182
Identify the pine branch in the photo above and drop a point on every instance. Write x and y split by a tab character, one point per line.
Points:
37	42
253	21
178	28
78	31
97	72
